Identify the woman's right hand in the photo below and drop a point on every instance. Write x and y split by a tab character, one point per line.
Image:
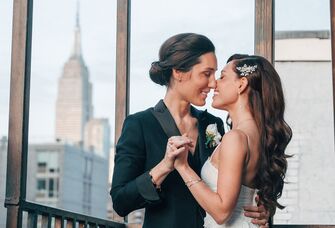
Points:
175	146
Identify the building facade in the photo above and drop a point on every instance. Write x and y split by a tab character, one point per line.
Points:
66	176
303	61
97	136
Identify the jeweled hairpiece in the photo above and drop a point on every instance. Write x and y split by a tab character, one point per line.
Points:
245	70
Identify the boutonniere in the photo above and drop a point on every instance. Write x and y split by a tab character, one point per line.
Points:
213	136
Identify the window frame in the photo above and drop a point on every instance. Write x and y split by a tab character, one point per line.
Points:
20	88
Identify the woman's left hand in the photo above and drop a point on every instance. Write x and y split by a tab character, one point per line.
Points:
260	216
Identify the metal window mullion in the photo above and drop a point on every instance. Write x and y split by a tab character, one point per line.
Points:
122	65
332	29
18	111
264	28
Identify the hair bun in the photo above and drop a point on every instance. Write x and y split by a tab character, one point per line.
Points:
158	73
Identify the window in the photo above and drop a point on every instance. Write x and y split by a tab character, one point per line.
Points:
41	184
41	167
51	187
72	73
231	32
303	60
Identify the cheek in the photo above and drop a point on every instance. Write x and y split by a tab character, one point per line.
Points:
200	81
227	92
196	86
189	90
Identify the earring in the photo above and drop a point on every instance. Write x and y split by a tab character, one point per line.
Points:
179	79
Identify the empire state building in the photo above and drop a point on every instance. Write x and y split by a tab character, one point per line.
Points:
74	100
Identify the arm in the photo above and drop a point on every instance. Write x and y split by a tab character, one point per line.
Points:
132	186
232	155
259	214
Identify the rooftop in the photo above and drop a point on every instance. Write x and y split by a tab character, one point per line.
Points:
319	34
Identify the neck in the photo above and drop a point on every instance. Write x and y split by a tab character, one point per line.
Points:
178	107
241	113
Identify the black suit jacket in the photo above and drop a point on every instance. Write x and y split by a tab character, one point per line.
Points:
141	146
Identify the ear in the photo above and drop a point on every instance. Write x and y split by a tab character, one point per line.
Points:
243	85
177	74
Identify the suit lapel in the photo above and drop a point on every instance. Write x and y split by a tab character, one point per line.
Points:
164	117
202	124
170	128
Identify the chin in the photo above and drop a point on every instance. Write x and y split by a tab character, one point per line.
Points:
214	105
199	102
217	106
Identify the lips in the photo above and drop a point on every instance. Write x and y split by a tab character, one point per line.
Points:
204	93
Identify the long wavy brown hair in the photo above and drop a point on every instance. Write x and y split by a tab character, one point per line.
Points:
267	104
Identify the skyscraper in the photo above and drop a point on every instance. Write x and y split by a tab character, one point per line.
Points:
72	173
74	100
97	136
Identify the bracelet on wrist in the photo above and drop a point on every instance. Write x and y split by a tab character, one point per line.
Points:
158	187
191	182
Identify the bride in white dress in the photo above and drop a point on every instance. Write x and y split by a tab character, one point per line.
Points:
209	175
251	156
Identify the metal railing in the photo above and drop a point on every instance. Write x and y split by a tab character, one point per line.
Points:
45	216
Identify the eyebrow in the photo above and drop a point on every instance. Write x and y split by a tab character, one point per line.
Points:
210	68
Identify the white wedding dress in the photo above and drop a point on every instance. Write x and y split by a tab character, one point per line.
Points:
209	175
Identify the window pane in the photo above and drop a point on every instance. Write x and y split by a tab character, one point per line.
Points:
303	60
72	103
229	25
41	184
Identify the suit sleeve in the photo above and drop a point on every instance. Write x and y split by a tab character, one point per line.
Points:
132	187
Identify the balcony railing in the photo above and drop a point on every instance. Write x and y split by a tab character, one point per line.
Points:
45	216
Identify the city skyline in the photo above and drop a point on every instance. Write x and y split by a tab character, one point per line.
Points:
53	36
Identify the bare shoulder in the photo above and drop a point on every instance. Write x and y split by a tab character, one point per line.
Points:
235	137
234	141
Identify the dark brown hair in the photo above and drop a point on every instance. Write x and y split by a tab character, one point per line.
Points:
266	101
180	52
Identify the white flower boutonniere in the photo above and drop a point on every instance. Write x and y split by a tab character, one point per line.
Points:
213	136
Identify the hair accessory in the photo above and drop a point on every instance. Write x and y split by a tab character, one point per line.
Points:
245	70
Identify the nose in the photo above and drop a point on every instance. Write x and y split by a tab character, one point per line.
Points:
212	82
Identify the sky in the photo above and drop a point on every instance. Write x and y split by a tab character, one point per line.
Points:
229	24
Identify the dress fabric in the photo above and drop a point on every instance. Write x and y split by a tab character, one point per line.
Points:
209	175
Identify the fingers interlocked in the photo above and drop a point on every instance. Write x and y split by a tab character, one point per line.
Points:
177	144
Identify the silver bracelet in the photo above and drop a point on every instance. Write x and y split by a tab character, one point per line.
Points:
192	182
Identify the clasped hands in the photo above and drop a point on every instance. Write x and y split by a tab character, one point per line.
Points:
176	154
177	149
